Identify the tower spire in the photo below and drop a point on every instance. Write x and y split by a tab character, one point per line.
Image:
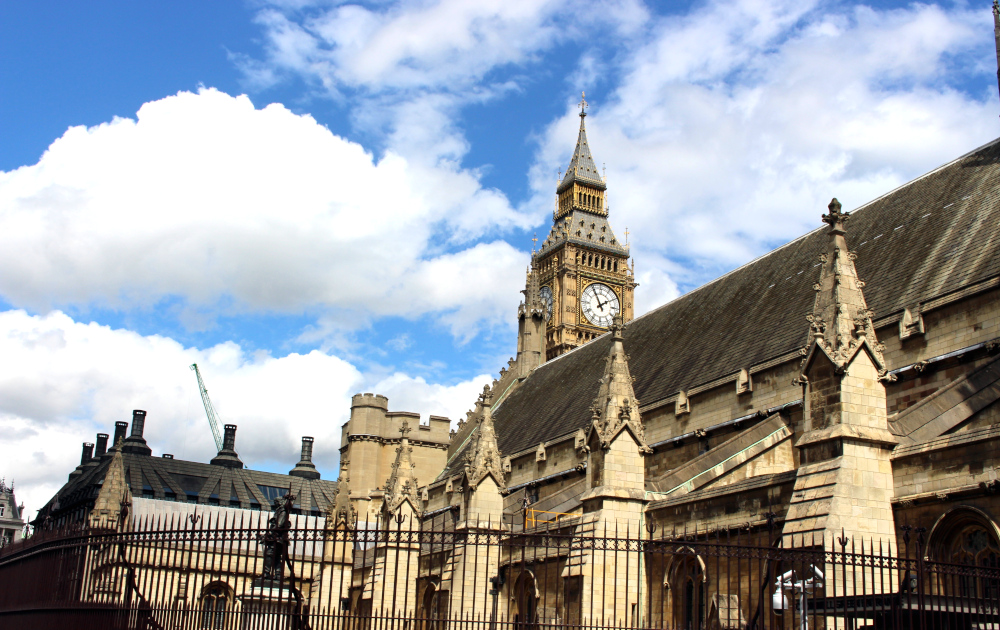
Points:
582	167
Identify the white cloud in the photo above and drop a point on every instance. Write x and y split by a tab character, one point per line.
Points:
62	381
733	126
207	198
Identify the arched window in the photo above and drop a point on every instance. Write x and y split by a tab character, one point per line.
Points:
216	601
966	536
525	595
685	580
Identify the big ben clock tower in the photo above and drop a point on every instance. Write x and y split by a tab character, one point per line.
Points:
582	268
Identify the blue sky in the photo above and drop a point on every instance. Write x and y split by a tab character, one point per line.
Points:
313	199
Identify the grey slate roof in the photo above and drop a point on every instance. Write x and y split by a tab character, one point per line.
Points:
932	236
584	229
159	478
581	167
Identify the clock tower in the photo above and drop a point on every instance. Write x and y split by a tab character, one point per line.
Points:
582	268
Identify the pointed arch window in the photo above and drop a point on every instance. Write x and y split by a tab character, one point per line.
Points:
216	605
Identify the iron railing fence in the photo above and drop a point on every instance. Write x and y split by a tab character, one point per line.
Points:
216	571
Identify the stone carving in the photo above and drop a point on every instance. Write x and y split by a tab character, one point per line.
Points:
743	383
342	510
616	406
682	406
841	323
402	483
486	458
540	452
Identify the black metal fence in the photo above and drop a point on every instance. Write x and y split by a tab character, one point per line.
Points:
232	571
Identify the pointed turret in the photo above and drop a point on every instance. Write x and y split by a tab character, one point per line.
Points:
114	496
843	485
402	483
616	407
582	168
485	458
840	323
341	510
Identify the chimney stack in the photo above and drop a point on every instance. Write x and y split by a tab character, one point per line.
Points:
88	453
228	456
121	430
102	445
138	422
135	442
305	467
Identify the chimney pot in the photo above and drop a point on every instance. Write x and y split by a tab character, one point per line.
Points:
138	422
227	456
307	449
88	453
229	439
102	445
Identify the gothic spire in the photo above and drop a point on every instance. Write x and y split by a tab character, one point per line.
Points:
341	510
582	167
840	323
402	483
532	304
114	496
486	458
616	407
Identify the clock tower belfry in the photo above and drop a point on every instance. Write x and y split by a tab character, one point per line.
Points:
582	268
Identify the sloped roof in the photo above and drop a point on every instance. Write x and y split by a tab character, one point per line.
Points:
584	229
929	237
155	477
581	167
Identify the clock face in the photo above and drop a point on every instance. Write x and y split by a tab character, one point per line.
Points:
546	294
599	304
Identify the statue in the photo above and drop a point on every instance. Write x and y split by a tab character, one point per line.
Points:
276	538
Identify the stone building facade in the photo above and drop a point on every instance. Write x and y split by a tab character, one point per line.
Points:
845	384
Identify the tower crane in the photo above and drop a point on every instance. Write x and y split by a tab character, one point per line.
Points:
209	409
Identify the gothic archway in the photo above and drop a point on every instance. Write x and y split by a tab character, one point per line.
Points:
216	606
966	536
525	595
686	580
433	606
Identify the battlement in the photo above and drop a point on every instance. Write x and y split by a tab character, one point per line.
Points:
370	400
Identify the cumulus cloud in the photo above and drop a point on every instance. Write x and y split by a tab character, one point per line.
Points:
63	381
206	197
733	125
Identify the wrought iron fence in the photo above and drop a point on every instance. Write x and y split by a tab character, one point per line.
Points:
228	571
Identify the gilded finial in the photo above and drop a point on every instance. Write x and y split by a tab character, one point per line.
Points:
583	104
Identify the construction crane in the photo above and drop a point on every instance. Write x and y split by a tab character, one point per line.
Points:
213	420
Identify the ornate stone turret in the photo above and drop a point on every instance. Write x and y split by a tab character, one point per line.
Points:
114	496
341	511
402	483
485	459
844	482
616	408
841	324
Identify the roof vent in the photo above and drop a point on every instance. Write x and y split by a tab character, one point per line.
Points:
167	456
